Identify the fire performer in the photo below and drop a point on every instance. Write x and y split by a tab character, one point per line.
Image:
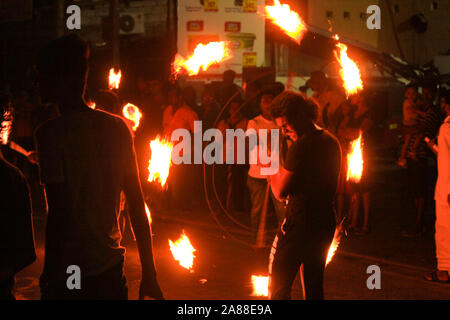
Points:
86	157
308	180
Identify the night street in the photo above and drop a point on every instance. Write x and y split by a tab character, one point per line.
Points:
227	265
218	150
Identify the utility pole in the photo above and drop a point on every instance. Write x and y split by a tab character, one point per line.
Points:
115	40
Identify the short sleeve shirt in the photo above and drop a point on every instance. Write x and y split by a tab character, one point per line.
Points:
315	161
91	153
16	228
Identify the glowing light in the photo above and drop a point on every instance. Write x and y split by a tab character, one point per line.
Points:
114	79
260	286
149	215
203	57
349	71
183	251
288	20
6	126
355	162
160	161
91	104
131	112
334	245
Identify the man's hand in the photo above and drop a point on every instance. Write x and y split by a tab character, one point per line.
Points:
150	289
33	157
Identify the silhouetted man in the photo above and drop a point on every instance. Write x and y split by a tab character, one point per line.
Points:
308	180
16	227
86	157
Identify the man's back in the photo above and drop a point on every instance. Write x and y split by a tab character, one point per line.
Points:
16	228
89	153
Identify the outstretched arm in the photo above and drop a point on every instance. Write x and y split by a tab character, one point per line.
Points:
141	226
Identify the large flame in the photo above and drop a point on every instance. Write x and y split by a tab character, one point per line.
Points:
260	286
161	160
349	71
355	162
114	79
288	20
203	57
131	112
183	251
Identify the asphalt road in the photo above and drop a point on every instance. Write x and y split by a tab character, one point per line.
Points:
223	266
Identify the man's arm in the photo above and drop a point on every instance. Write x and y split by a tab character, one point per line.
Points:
280	183
51	172
140	224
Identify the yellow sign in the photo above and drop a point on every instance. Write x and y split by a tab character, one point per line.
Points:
250	6
249	59
211	5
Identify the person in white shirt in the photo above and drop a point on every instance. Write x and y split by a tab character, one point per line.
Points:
257	183
442	197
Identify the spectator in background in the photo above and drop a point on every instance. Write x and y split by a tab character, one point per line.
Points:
257	183
345	134
209	109
442	197
328	98
411	113
190	97
251	94
16	227
151	101
429	124
362	122
178	115
236	173
417	172
228	87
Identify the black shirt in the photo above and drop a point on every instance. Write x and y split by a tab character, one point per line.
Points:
315	160
16	227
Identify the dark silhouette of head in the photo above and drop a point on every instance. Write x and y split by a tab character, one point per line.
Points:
294	113
317	81
63	69
228	77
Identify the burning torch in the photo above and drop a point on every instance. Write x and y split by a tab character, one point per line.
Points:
204	56
288	20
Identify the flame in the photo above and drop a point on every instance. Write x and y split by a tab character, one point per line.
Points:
149	215
161	160
355	161
5	127
91	104
260	285
183	251
334	245
349	71
203	57
286	19
114	79
131	112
